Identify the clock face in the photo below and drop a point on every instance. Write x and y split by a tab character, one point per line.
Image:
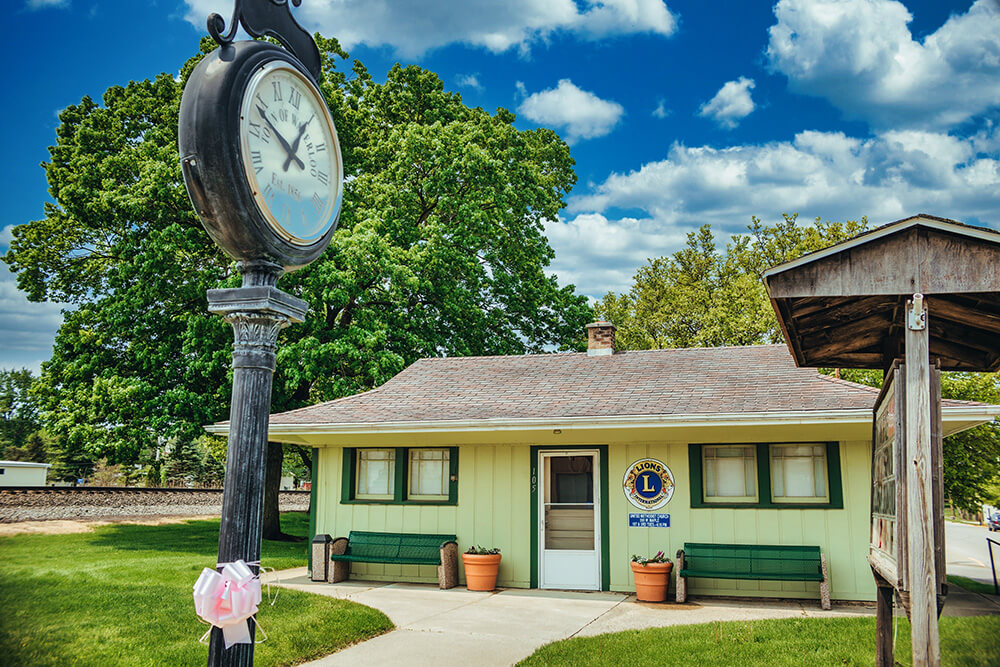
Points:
290	152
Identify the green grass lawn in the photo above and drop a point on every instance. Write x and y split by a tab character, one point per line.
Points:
972	585
121	595
794	641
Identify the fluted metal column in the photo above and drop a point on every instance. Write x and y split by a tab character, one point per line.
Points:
258	311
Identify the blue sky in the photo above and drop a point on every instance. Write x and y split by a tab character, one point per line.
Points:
679	113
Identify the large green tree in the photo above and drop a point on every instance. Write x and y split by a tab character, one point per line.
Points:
701	296
439	251
19	417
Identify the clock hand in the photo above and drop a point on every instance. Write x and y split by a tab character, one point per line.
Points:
295	146
281	139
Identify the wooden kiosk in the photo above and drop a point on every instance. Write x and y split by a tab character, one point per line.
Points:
912	298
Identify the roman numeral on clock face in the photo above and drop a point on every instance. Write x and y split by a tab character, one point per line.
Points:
257	161
318	202
259	132
322	178
294	98
277	90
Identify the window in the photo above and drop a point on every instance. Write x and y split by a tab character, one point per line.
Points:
730	473
400	475
774	475
429	472
798	474
376	468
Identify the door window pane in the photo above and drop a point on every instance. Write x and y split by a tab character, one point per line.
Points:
730	473
569	506
569	528
429	474
798	473
376	473
572	479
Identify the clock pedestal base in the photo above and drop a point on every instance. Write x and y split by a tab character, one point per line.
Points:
258	311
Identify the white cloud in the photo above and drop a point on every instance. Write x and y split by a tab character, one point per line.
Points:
417	26
581	114
823	174
731	104
661	110
827	174
599	255
44	4
6	235
26	329
861	56
469	81
619	17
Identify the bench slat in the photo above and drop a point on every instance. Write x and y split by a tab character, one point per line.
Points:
707	574
752	561
375	559
404	548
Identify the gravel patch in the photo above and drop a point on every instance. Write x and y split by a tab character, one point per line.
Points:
17	506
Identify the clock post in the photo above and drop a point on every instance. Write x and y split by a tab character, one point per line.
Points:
257	311
262	166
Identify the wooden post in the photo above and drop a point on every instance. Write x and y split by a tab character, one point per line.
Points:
883	621
920	489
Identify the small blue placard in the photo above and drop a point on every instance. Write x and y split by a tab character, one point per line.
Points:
649	520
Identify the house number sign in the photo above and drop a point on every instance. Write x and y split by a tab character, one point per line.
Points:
648	484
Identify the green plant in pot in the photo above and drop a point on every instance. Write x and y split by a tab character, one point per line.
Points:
652	576
481	567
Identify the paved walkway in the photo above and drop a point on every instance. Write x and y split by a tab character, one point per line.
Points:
458	626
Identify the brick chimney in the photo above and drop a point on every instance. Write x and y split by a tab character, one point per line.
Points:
600	339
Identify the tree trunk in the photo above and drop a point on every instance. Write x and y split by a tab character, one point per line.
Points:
271	529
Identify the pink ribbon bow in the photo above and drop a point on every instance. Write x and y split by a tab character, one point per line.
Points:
228	599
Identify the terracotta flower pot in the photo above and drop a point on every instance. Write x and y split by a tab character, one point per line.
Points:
481	571
651	581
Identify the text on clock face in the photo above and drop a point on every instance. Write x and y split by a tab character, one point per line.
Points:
292	169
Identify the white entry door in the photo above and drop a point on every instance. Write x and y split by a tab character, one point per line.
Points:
569	520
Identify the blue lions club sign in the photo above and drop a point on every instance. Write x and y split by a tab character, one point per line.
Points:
648	484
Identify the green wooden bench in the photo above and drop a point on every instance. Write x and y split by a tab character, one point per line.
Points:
752	561
396	548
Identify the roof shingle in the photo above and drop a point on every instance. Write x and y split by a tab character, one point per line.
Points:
695	381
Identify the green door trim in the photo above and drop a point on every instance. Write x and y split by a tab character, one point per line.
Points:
313	479
602	451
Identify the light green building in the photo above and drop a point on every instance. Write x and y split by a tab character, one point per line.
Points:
533	454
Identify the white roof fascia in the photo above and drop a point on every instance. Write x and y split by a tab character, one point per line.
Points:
892	228
977	413
24	464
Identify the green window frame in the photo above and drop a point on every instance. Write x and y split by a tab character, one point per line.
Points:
400	493
835	499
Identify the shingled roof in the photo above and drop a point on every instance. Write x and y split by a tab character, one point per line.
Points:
698	381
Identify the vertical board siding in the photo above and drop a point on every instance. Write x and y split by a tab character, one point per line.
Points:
493	510
519	501
840	533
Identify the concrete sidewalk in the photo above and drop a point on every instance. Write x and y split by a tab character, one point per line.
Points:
458	626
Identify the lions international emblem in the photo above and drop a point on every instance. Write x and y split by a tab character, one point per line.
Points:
648	484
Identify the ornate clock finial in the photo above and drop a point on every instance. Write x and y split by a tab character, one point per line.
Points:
274	19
